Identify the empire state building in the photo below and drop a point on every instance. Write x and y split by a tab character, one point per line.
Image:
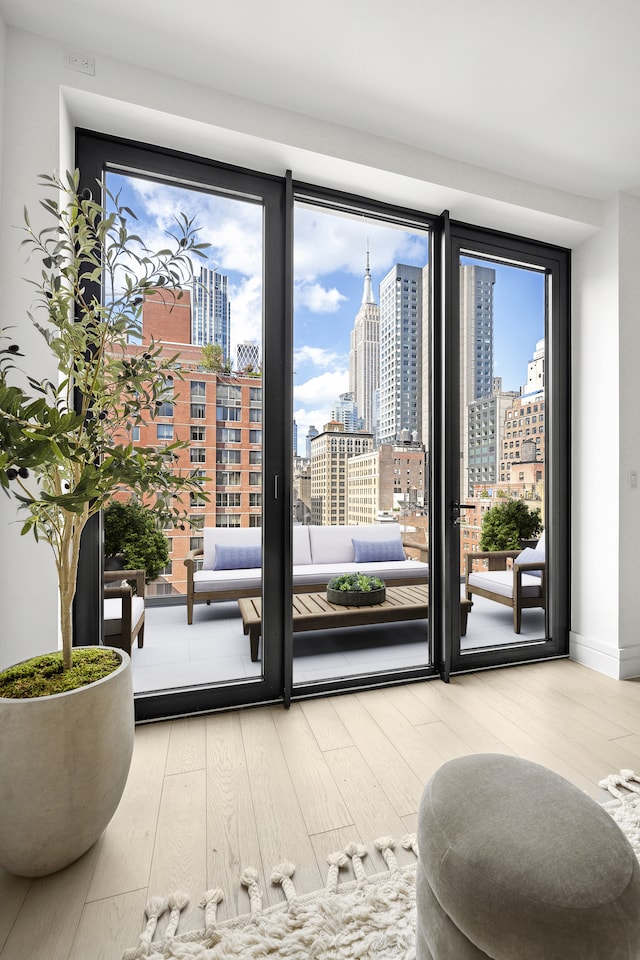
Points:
364	356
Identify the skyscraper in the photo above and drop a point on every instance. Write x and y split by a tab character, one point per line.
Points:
476	352
345	411
211	310
400	352
248	355
364	355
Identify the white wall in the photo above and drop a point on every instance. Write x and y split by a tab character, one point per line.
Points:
43	100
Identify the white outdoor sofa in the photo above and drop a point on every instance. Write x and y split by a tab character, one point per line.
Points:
319	553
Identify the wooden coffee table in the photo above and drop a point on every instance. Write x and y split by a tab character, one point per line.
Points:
312	611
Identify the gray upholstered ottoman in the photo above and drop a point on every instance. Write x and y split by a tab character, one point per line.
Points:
518	864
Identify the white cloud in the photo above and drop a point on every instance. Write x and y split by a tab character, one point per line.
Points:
322	390
317	298
318	356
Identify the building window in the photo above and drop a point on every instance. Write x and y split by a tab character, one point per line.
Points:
255	521
228	435
228	520
197	500
255	456
255	479
228	456
198	390
228	413
198	455
198	433
165	431
135	434
198	411
255	436
255	415
196	543
228	478
255	499
224	500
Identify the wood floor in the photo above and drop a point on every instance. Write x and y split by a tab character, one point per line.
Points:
210	795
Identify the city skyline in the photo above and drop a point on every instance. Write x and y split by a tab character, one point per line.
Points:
330	255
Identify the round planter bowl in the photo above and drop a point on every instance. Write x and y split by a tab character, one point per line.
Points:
64	761
355	598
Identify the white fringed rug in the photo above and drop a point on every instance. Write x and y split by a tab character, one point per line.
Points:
365	918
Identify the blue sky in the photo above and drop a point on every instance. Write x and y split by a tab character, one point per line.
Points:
330	253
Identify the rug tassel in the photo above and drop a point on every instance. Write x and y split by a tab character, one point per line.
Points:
335	861
626	778
386	845
357	851
209	903
154	909
249	879
176	902
410	842
282	875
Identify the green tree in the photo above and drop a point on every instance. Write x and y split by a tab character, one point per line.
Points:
132	533
65	446
212	357
504	525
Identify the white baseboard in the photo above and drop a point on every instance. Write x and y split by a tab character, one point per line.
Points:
621	663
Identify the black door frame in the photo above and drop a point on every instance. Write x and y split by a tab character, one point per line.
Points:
96	153
460	238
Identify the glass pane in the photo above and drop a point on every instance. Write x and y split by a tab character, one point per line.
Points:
215	405
502	451
361	322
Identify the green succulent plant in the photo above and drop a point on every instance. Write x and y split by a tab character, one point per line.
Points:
356	583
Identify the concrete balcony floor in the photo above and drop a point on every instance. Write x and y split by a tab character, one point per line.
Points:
214	649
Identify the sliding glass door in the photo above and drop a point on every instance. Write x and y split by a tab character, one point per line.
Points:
362	315
507	481
215	613
363	390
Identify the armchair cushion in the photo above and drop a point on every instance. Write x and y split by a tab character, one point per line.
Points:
531	555
113	615
501	582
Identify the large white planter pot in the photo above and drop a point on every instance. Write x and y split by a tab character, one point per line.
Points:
64	762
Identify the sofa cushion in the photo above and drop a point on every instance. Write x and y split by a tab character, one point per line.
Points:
237	536
370	551
207	581
333	544
237	557
321	573
301	546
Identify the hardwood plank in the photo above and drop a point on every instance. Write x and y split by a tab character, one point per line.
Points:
232	837
406	739
187	746
327	727
279	821
403	787
180	851
127	849
373	813
409	703
336	841
46	926
13	891
465	723
320	801
109	927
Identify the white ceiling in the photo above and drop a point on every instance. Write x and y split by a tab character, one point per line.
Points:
546	92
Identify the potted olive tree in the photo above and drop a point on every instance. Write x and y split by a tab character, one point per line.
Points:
66	719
